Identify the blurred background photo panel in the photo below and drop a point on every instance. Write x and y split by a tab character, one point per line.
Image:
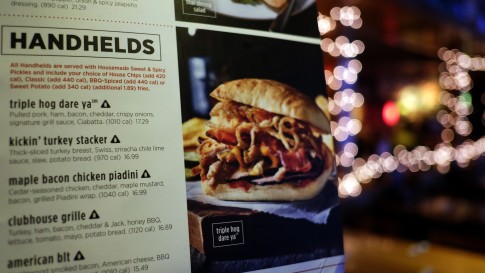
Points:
406	82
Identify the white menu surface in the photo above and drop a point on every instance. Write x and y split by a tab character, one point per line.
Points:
91	159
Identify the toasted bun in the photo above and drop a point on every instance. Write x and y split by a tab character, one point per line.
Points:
276	192
274	97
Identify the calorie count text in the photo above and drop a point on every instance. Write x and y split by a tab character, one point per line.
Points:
72	158
49	5
130	80
117	184
70	117
84	193
85	5
133	186
95	83
28	225
81	231
80	121
66	155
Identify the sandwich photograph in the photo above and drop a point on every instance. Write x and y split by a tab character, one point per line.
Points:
263	142
259	157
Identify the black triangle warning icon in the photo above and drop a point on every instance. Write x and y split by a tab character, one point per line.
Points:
94	215
105	104
145	174
79	256
115	139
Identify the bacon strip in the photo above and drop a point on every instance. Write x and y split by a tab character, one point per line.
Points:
295	161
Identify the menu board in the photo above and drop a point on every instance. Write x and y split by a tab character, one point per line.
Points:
157	136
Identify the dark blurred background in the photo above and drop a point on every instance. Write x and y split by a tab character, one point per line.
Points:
406	80
210	58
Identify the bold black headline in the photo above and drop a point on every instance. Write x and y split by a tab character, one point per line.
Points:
87	43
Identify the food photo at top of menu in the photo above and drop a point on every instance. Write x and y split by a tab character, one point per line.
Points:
282	16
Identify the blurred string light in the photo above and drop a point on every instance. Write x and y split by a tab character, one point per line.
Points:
342	79
453	118
454	76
